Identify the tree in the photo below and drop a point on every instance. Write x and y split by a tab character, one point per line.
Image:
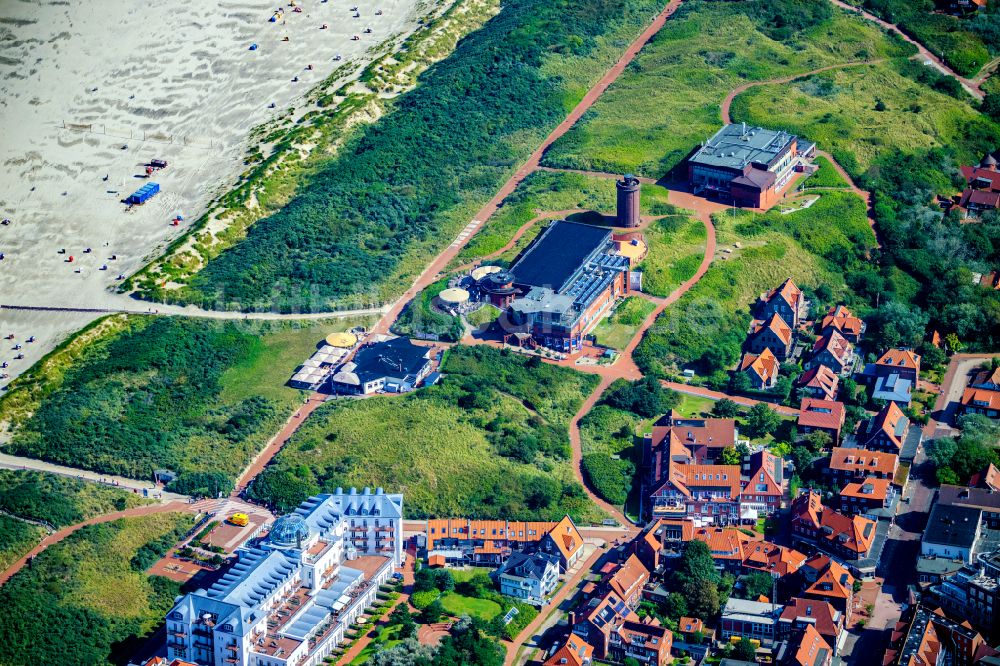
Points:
631	661
757	584
818	441
424	580
730	456
744	651
443	580
761	420
696	563
645	397
675	606
725	409
432	613
407	625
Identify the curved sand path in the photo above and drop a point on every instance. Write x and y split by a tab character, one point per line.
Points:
970	85
64	532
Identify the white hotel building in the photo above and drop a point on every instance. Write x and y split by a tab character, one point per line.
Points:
288	600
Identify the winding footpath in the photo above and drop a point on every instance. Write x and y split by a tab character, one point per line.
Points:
972	86
61	534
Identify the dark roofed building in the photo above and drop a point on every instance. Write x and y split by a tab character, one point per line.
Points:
395	366
558	255
531	577
748	165
951	532
569	278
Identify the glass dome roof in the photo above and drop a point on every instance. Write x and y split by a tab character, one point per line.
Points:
288	530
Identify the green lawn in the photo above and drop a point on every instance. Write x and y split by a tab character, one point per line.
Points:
490	441
618	330
839	111
458	605
668	100
676	248
824	176
707	326
87	600
693	406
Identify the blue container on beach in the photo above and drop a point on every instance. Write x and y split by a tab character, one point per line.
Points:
143	194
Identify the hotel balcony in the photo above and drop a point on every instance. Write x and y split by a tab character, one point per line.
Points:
669	509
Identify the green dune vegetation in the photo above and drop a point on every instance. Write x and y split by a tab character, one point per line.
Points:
668	99
134	394
489	441
87	599
676	247
618	329
59	500
17	537
367	221
819	247
966	44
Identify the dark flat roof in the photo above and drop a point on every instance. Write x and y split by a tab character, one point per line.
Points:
952	525
393	358
558	253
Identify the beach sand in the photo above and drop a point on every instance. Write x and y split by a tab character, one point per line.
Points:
172	80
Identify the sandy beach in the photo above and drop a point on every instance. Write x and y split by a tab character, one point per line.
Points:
91	92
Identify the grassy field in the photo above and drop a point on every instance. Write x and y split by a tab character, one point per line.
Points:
824	176
841	111
490	440
618	330
59	500
197	396
676	248
87	600
458	605
816	246
421	317
668	99
544	191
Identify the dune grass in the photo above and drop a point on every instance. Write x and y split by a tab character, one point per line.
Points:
87	599
668	99
676	247
59	500
196	396
862	113
824	176
490	440
17	537
816	246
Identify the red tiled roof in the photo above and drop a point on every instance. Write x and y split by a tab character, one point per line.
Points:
788	292
853	533
810	646
973	172
820	377
870	488
840	318
887	422
630	578
836	344
765	556
853	460
900	358
776	325
834	581
981	398
764	365
689	625
574	652
826	618
825	414
726	543
685	477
